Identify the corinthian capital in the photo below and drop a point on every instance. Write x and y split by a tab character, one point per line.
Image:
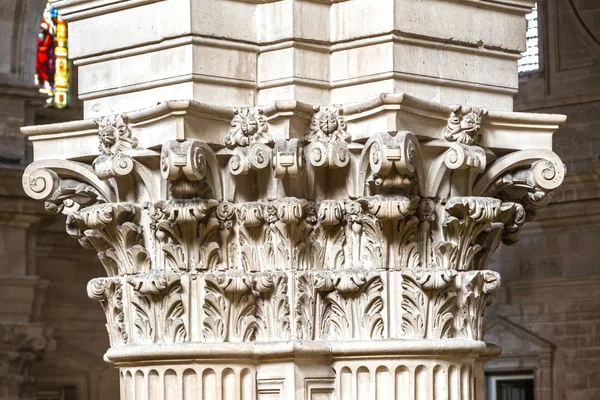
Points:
324	224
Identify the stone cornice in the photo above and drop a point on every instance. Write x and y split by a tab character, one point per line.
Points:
385	113
73	10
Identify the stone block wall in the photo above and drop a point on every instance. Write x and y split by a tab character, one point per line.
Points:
550	278
78	325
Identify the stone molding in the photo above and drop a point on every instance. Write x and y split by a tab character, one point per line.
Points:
295	227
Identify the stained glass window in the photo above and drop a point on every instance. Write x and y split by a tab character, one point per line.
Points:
530	60
52	67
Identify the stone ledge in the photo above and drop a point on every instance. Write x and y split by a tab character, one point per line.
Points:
303	349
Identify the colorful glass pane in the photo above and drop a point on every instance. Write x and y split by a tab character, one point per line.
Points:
52	67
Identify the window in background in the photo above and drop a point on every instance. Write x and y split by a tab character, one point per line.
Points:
51	67
509	387
531	57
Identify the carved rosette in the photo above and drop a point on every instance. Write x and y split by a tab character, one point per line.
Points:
304	235
248	126
328	125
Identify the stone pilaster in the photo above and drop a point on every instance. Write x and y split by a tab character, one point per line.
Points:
297	251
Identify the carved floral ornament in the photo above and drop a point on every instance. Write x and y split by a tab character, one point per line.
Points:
303	238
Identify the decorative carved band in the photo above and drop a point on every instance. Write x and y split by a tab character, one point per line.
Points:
350	304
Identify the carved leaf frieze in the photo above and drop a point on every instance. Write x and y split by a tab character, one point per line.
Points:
229	308
467	218
273	314
187	234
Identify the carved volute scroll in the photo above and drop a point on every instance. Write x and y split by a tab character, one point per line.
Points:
295	223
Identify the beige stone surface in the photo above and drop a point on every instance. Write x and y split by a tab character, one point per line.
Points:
254	53
246	237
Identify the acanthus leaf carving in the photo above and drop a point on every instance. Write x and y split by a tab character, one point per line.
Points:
366	237
71	196
187	234
114	231
352	304
328	237
288	233
229	307
476	290
158	307
428	303
109	292
272	307
427	216
467	218
505	228
305	311
299	238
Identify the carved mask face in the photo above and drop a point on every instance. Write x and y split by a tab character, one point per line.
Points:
470	122
249	127
108	136
328	123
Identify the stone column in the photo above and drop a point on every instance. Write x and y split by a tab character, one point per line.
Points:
294	249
